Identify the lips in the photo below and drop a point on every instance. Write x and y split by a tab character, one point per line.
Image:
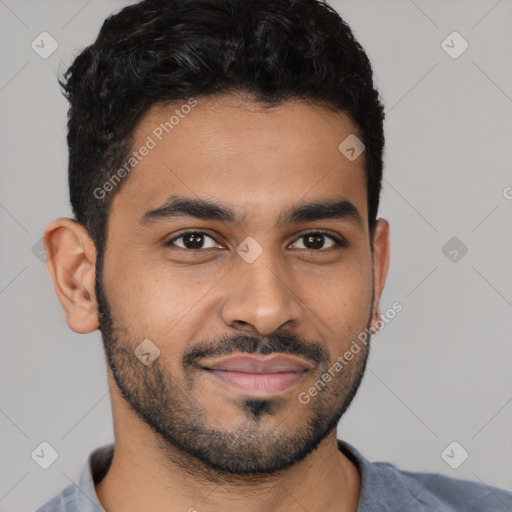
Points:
258	363
258	374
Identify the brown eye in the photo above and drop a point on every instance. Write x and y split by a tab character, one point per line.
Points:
192	240
315	241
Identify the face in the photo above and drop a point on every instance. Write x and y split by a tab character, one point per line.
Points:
220	244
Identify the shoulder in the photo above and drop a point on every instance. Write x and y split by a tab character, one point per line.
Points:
437	492
80	495
387	488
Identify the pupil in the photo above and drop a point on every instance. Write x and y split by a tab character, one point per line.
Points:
197	240
310	241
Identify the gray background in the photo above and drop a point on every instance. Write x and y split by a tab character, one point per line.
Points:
438	373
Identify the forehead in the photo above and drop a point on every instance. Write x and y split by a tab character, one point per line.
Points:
232	149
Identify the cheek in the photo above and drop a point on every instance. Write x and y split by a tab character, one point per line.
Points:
161	305
140	298
343	302
342	299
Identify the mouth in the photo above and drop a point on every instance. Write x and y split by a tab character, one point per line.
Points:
260	374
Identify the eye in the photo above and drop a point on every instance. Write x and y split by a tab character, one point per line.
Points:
192	240
315	239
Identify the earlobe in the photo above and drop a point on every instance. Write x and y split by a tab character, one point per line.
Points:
380	264
71	258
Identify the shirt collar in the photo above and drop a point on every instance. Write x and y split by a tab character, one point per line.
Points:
94	468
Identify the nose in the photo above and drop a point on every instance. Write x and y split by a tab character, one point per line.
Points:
260	297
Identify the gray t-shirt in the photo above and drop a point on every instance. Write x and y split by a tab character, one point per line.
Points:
384	488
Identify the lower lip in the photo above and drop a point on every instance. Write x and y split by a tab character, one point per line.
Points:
266	382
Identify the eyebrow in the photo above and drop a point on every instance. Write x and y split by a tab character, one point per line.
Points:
204	209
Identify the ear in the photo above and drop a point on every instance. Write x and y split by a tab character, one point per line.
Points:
380	265
70	258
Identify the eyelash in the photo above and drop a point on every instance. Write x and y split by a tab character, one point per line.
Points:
340	243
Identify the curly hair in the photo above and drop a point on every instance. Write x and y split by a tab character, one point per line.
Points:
162	51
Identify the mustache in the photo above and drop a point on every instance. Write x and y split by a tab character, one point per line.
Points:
287	343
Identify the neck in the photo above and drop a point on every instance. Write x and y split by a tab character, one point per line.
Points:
325	480
147	473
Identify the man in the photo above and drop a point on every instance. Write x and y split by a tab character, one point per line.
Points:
225	165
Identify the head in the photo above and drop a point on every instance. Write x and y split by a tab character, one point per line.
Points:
217	212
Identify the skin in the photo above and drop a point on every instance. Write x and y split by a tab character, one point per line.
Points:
228	150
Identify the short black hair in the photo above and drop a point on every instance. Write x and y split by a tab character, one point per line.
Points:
163	51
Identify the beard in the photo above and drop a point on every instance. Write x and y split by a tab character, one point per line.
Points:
185	428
